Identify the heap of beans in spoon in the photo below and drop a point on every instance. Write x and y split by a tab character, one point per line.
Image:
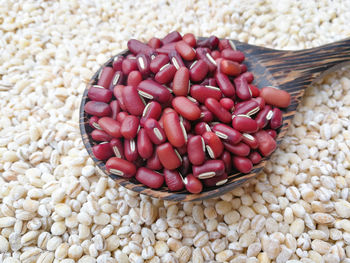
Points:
182	112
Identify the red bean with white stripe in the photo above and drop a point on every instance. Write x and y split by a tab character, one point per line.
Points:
173	180
196	150
102	151
120	167
154	131
213	144
209	169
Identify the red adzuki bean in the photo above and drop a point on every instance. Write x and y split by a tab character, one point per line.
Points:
244	123
168	157
102	151
200	93
137	47
248	107
121	116
165	74
185	50
105	77
171	37
215	55
190	39
153	162
192	184
154	43
266	143
225	84
210	42
219	112
272	133
204	54
133	103
158	62
153	90
198	70
176	59
117	79
134	78
226	133
250	140
213	144
120	167
243	68
260	101
248	76
99	93
209	169
152	110
254	90
196	150
201	127
130	150
206	115
144	144
242	88
254	157
228	104
115	107
181	82
101	136
242	164
240	149
186	108
143	64
264	116
93	122
173	180
275	97
276	120
118	94
129	65
110	126
229	67
174	129
226	44
154	131
233	55
167	48
129	127
98	108
216	180
117	147
149	178
117	63
226	158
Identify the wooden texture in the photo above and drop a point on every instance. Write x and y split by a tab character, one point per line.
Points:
292	71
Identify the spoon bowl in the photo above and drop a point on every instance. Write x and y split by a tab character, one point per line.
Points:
292	71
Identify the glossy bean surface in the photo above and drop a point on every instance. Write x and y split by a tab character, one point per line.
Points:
186	108
168	157
149	178
120	167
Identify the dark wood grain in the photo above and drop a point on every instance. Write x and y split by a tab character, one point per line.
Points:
292	71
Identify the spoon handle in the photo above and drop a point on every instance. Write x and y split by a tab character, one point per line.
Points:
293	69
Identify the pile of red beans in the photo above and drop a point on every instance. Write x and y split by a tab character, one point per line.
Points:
183	112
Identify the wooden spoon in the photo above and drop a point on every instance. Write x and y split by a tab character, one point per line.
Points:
292	71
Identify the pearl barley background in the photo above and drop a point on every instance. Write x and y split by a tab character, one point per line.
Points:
55	207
